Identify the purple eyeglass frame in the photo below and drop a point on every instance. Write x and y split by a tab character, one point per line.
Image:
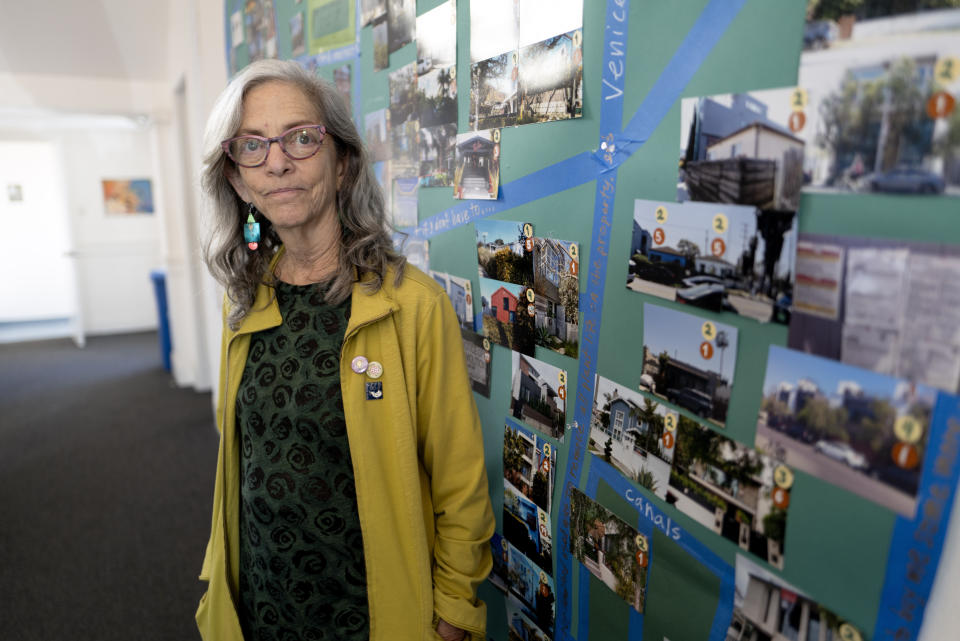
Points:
225	145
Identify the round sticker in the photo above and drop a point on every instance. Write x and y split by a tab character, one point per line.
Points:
469	299
947	69
709	330
718	247
667	440
670	421
528	243
574	251
577	38
706	350
453	73
374	370
641	558
527	230
796	121
531	310
496	135
574	268
849	633
783	477
905	455
720	224
641	542
486	344
940	105
798	99
562	375
530	295
661	214
546	450
659	237
486	357
781	498
562	392
908	429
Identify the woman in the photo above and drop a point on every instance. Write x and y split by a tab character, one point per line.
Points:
351	497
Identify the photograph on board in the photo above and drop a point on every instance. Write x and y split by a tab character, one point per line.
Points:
494	28
888	305
733	490
437	38
343	81
416	250
476	349
370	10
689	361
742	149
461	296
332	24
527	528
835	24
438	150
381	171
858	430
767	607
529	463
377	135
404	201
556	284
609	548
520	627
260	29
500	551
550	73
128	196
532	591
381	54
628	430
538	395
402	84
298	43
881	113
505	316
477	174
404	150
437	97
715	256
493	91
503	251
401	23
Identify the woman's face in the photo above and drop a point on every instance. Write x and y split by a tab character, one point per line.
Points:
290	193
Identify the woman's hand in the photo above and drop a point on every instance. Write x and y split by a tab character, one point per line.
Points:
448	632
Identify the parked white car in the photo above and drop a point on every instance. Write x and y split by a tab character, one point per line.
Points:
842	452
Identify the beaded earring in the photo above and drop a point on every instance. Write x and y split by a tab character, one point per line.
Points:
251	230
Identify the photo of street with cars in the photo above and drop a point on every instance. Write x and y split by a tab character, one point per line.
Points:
861	431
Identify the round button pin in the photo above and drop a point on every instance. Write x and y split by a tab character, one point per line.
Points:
359	364
374	369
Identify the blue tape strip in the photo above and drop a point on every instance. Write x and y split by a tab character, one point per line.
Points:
917	543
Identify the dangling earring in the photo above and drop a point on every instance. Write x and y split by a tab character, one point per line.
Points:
251	229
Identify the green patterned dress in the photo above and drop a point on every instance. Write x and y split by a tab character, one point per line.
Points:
302	574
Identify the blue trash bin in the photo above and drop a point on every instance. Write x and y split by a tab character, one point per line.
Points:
159	278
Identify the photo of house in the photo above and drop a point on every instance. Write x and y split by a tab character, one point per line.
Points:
437	38
478	361
401	22
437	149
437	97
715	256
502	252
500	552
729	488
683	366
477	160
370	10
766	608
519	626
533	592
861	431
609	548
627	431
405	201
493	92
550	79
529	464
556	284
504	315
460	292
740	148
381	55
377	135
494	28
527	528
881	111
538	395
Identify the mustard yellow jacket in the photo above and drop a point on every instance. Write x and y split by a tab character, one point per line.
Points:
417	456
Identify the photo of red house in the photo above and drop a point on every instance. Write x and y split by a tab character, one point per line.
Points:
506	315
503	305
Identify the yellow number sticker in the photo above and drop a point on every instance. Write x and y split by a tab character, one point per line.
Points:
530	295
642	544
661	214
563	377
849	633
496	135
670	421
798	99
527	230
574	251
947	69
709	331
783	477
908	429
720	224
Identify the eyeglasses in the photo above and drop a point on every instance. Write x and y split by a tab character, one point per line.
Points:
298	143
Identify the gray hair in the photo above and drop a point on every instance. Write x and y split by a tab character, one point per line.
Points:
366	247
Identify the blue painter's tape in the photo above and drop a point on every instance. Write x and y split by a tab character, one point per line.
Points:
917	543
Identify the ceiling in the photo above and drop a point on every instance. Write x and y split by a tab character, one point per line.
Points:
119	39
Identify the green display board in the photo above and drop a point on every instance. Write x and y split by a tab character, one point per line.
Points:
849	561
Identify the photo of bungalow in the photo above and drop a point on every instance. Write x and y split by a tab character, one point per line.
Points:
493	92
502	252
880	115
626	430
862	431
527	528
608	548
477	161
683	366
729	489
538	395
739	148
551	79
529	464
715	256
557	288
460	292
504	315
766	608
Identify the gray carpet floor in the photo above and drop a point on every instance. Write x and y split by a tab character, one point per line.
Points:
106	481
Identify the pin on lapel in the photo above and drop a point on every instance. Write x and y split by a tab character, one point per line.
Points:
374	390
